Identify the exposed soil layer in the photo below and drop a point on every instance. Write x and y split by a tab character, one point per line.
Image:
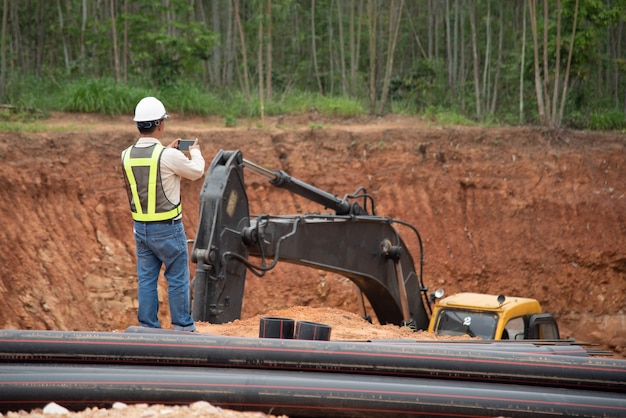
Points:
514	211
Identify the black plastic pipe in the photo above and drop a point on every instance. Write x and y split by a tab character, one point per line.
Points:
526	347
296	394
547	347
396	360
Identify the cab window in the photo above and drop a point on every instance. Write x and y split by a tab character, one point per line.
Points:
548	332
514	329
460	322
543	326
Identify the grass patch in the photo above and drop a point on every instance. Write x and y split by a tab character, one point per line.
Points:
189	99
609	120
22	127
31	98
446	117
20	119
303	102
101	95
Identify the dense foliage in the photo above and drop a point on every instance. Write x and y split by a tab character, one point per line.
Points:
552	62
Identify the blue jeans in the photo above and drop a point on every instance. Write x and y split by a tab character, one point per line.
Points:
158	244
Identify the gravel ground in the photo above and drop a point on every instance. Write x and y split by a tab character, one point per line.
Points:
121	410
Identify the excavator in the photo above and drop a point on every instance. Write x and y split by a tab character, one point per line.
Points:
353	241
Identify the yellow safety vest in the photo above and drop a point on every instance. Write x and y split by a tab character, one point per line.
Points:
148	202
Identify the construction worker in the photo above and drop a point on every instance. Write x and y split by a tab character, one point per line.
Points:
153	174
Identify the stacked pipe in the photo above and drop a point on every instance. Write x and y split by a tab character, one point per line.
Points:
287	328
305	377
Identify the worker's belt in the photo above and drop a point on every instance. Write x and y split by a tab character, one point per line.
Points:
167	221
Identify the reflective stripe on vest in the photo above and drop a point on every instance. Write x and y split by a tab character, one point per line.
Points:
148	202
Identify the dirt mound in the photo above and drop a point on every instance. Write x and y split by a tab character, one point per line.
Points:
345	326
517	211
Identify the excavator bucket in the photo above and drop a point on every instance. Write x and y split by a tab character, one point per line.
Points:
219	281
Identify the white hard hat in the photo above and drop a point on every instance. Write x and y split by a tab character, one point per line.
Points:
149	109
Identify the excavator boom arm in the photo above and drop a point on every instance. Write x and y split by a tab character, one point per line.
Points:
364	248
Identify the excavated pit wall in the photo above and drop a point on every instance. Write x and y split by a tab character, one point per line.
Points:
515	211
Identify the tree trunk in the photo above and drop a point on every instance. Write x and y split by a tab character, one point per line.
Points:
522	65
39	48
66	55
227	77
487	63
216	60
394	26
3	48
23	56
476	65
83	32
546	73
494	97
355	45
532	9
557	66
372	13
352	49
125	47
548	112
415	33
569	62
436	26
331	52
462	59
260	69
268	50
455	66
449	60
314	49
244	55
431	18
116	58
342	51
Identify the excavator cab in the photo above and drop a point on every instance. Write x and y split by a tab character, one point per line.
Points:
491	317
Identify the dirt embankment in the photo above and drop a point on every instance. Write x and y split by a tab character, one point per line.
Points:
515	211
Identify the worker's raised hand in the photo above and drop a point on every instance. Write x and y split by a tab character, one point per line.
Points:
195	145
184	144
